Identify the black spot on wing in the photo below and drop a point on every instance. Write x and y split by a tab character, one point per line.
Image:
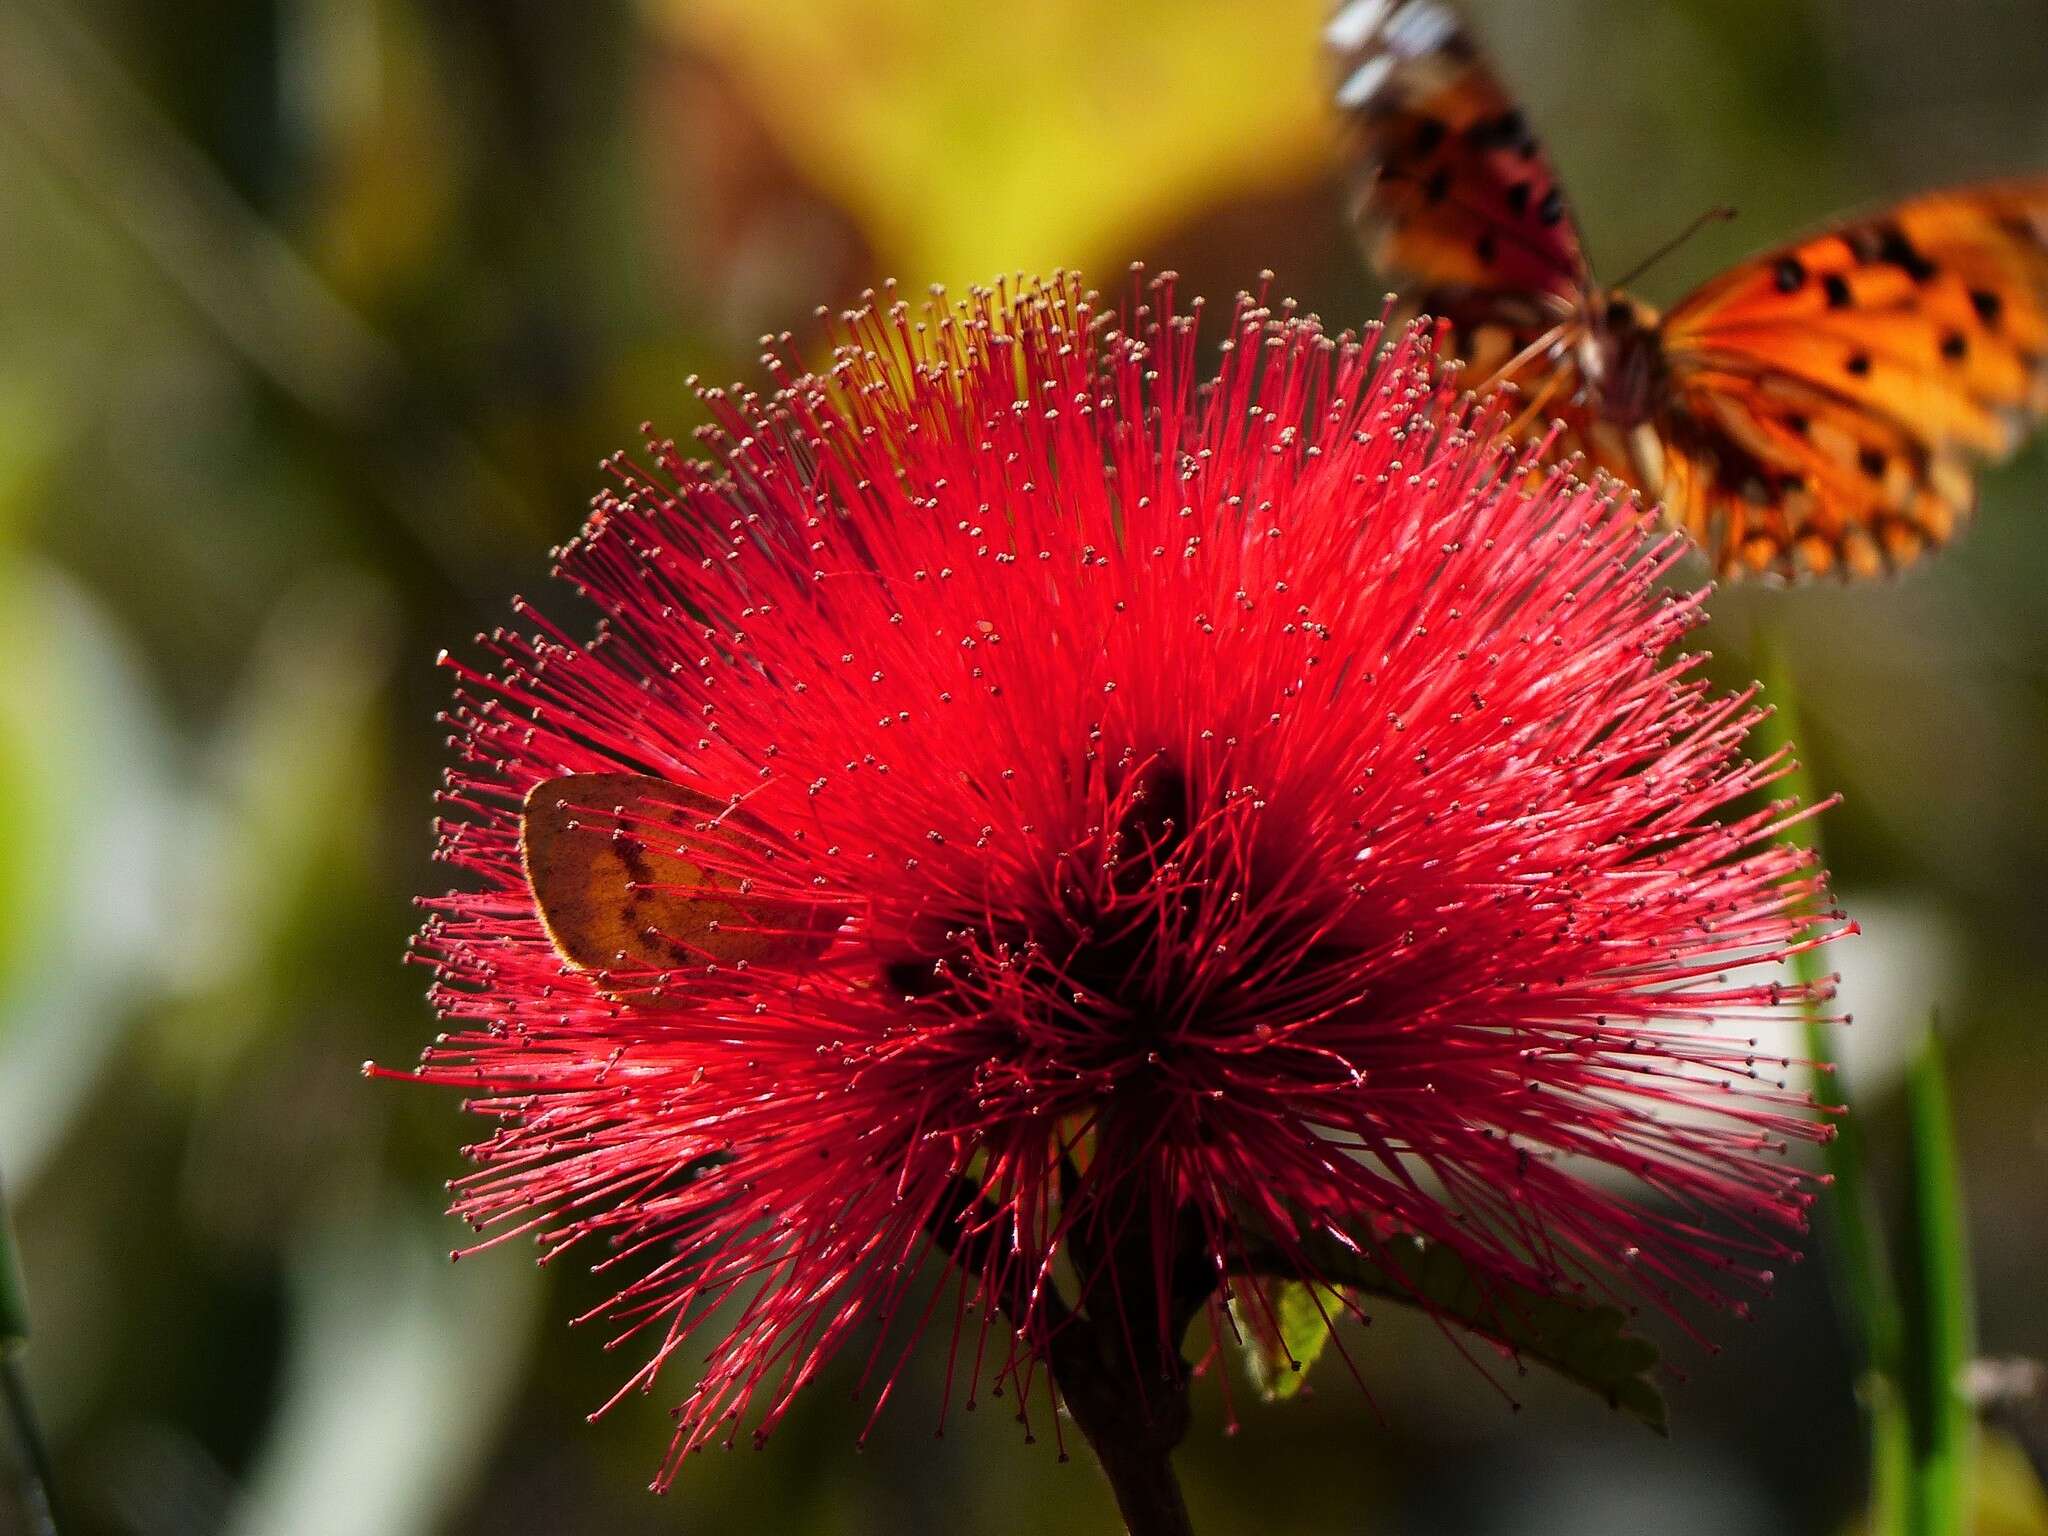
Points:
1858	363
1955	346
634	857
1508	130
1836	287
1989	306
1790	274
1518	194
1888	243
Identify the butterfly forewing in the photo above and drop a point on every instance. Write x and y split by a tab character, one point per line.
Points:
1451	195
1457	206
1831	401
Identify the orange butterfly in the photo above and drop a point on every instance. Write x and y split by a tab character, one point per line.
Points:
1822	408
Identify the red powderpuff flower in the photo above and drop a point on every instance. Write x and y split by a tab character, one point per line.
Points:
1119	835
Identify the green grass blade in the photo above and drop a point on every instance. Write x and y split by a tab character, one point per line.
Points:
1935	1285
1856	1245
1854	1234
13	1293
16	1407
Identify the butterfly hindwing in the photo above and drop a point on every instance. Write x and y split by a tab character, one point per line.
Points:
632	875
1830	402
1771	476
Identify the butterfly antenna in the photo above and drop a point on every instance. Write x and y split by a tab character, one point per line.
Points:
1720	215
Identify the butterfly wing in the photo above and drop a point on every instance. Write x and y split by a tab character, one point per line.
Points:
1453	199
1451	195
1831	402
632	875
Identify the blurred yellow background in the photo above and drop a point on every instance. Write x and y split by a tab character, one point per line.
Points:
315	318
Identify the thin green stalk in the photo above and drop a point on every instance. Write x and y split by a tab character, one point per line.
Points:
1861	1278
13	1293
35	1456
19	1406
1940	1331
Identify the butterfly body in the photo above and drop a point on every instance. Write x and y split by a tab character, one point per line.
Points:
1819	409
1621	358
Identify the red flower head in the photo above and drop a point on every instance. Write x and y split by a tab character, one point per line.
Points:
1122	836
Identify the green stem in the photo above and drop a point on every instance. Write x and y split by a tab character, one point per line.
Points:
19	1406
1939	1342
35	1455
1861	1278
13	1291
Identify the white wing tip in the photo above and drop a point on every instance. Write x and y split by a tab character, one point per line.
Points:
1355	23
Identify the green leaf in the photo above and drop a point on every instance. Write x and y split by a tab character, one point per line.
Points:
400	1370
86	775
1935	1284
1583	1341
13	1289
1858	1271
285	835
1856	1245
1286	1336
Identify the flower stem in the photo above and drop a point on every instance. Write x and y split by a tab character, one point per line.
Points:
1147	1492
1117	1360
1131	1424
1120	1374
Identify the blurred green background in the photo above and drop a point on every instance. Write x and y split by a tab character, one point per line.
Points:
315	318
